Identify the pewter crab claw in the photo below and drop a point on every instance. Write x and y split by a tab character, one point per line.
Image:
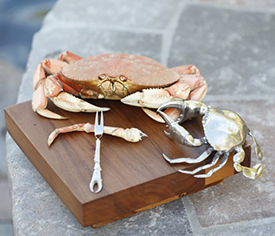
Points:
188	109
178	133
224	130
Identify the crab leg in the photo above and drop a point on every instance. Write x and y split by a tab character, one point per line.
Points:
47	84
253	173
130	135
187	70
69	57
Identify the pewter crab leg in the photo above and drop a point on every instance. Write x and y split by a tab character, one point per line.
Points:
202	157
222	163
253	173
214	161
257	146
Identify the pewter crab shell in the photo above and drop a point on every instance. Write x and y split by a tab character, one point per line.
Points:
224	129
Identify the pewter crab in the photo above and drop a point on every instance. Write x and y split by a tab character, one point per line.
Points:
111	76
224	130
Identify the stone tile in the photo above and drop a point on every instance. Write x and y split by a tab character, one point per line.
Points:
233	49
5	201
243	228
240	199
96	42
115	14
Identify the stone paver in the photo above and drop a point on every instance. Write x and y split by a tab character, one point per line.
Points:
234	49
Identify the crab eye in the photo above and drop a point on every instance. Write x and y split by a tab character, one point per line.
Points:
102	77
122	78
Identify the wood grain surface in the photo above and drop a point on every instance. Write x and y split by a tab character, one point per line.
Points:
135	175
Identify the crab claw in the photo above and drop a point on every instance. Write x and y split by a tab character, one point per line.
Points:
173	113
174	106
151	98
68	102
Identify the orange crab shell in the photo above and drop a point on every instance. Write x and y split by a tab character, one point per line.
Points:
138	71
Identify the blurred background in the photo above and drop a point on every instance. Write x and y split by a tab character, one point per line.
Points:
19	20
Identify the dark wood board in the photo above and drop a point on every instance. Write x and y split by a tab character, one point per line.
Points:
135	175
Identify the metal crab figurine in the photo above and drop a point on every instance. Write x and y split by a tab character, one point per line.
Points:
139	80
225	132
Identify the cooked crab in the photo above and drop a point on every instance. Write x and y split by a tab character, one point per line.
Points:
111	76
224	131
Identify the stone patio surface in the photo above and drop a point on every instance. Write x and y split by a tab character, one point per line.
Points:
231	42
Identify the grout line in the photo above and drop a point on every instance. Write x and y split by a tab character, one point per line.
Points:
170	32
192	215
242	225
65	25
244	97
171	26
248	8
197	229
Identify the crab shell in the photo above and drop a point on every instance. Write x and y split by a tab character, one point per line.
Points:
117	75
224	129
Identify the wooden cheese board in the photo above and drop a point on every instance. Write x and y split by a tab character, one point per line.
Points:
135	175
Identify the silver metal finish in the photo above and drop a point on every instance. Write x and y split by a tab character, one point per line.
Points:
224	130
96	179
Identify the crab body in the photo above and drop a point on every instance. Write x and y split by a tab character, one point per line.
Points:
111	76
224	130
117	75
